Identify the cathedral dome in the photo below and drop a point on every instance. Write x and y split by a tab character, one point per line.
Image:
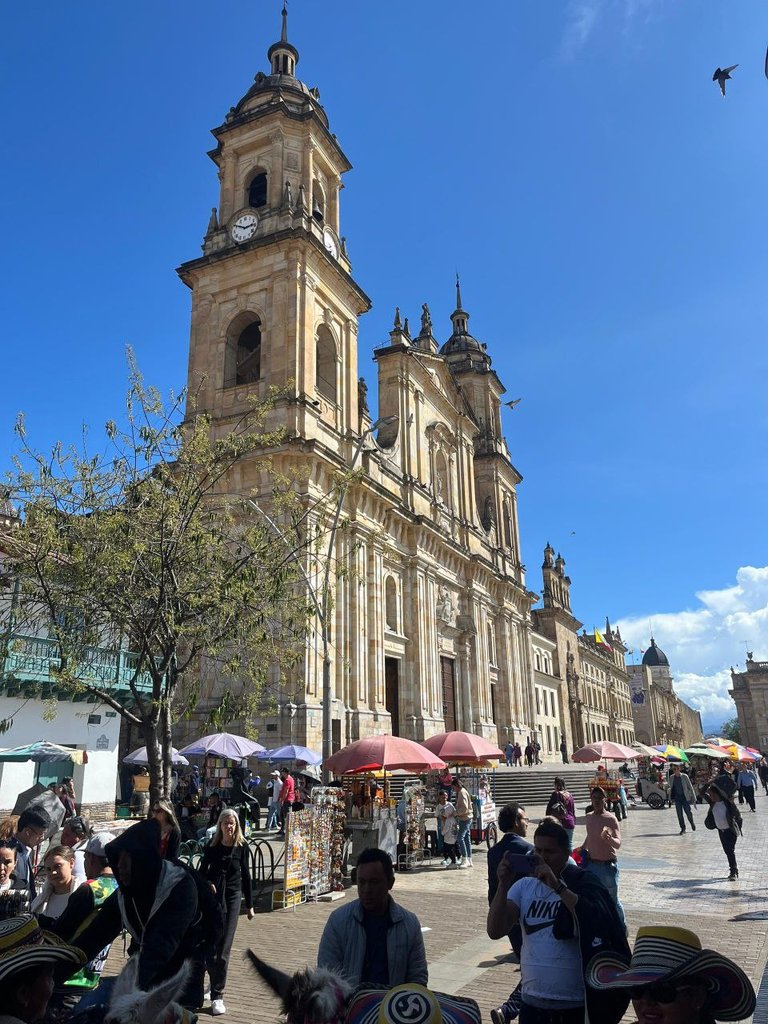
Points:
462	348
283	58
654	657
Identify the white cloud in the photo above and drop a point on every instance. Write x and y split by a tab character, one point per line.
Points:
703	642
583	17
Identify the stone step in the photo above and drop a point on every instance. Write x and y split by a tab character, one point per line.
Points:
523	785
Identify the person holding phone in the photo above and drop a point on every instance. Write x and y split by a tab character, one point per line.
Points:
566	916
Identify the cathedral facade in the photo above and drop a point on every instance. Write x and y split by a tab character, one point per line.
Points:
430	621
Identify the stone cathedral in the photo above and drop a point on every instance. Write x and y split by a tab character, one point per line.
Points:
431	624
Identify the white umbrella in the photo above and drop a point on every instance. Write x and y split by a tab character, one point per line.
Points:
139	756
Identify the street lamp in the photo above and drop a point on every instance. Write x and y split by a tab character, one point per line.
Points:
321	600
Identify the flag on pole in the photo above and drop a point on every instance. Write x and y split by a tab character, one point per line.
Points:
600	641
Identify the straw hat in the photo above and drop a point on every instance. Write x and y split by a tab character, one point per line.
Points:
24	944
672	954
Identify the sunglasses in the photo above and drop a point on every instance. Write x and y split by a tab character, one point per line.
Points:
661	992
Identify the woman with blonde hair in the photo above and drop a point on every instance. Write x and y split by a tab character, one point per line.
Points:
226	866
170	831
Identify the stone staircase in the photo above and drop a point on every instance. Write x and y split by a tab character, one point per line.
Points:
527	786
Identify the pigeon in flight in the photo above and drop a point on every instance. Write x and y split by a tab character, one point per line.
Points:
721	75
513	403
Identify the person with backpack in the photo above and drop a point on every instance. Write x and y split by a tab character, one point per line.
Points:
157	903
226	867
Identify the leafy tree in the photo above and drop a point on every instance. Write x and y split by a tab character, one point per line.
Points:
731	730
142	547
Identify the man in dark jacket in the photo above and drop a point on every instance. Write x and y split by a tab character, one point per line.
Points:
513	822
156	902
557	950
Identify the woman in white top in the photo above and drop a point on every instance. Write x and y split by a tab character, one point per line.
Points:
449	827
724	816
60	883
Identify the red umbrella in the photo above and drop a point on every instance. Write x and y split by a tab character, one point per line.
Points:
462	747
604	749
384	751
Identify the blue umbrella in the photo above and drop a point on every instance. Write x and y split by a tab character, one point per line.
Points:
291	752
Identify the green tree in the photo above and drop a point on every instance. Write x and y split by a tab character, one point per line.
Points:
731	730
141	546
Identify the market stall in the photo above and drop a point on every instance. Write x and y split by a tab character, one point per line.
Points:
374	811
314	849
473	755
605	750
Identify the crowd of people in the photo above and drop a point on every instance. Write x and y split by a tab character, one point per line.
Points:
556	901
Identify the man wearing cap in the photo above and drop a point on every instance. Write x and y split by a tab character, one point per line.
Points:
287	796
82	908
273	788
30	959
75	834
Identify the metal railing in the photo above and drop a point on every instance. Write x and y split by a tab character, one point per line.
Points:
35	659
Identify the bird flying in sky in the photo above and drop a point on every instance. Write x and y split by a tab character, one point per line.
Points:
721	75
513	403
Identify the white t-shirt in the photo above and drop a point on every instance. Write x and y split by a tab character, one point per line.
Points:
550	968
720	812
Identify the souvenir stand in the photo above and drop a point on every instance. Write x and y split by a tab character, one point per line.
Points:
314	849
371	814
414	836
217	774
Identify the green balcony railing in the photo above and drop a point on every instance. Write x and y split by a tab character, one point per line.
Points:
35	660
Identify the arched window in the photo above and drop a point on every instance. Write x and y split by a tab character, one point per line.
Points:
325	371
257	190
242	358
507	524
248	354
318	203
390	592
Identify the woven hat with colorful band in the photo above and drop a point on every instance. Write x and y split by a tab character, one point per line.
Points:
674	954
410	1004
23	944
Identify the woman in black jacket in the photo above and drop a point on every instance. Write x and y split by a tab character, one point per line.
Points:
226	867
724	816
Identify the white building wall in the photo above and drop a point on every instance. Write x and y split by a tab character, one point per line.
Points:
95	782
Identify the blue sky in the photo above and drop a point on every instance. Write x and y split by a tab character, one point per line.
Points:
572	159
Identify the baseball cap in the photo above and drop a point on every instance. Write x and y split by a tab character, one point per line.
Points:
276	773
97	844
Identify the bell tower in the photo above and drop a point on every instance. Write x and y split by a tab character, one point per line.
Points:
274	302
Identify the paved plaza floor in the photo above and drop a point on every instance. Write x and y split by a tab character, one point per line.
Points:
666	878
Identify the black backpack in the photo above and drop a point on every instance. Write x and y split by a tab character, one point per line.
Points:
210	923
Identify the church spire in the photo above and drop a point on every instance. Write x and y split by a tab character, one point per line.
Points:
282	56
459	317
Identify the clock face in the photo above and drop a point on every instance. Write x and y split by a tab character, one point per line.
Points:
329	241
244	227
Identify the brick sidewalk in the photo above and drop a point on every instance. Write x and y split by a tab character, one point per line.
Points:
664	877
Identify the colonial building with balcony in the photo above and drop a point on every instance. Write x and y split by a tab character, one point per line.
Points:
34	705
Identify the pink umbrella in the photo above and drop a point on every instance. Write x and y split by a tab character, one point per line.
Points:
375	752
462	748
604	749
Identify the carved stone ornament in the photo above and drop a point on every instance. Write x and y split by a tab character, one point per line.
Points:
327	317
445	607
